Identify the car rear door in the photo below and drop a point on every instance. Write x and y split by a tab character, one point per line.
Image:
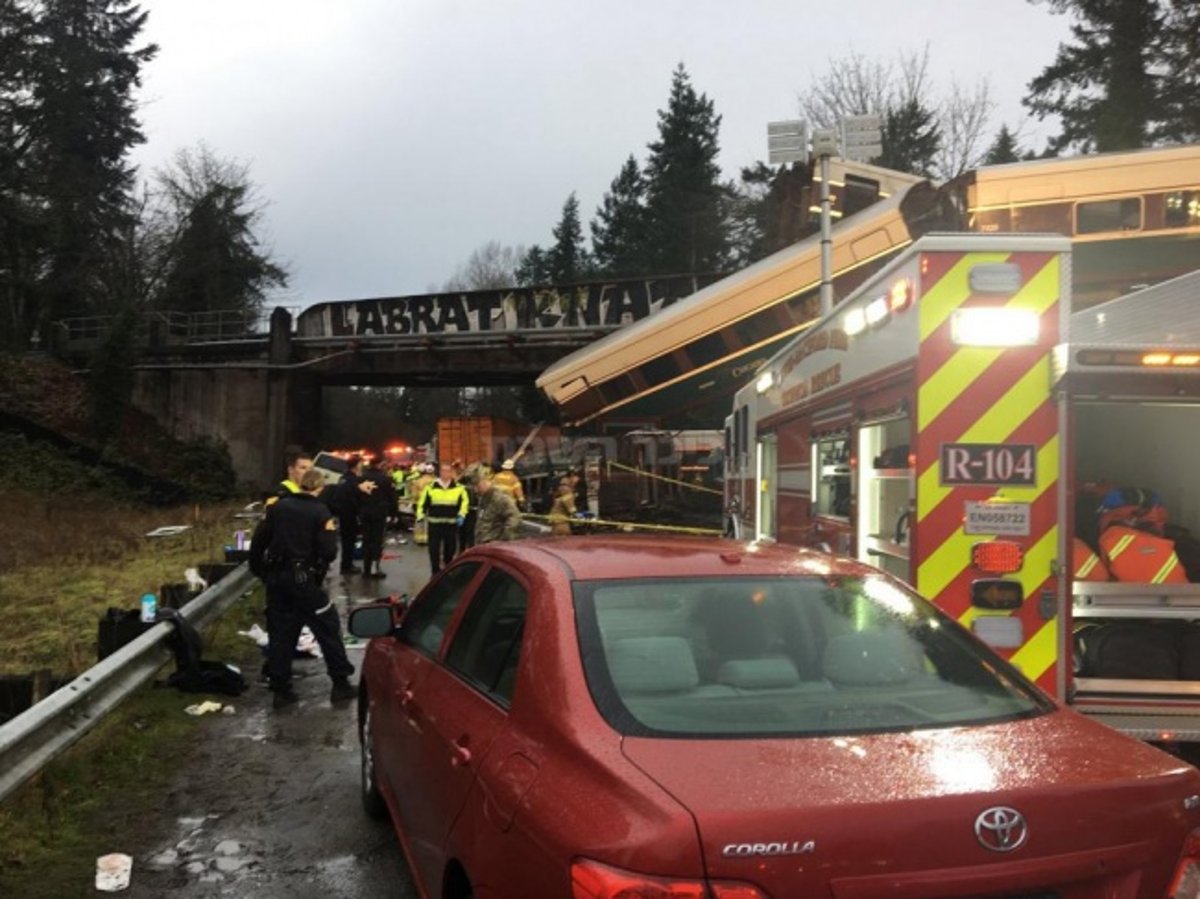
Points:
408	662
457	710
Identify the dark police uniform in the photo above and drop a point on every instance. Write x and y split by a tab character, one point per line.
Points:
374	509
290	550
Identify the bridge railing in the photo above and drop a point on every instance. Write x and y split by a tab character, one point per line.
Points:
31	740
162	328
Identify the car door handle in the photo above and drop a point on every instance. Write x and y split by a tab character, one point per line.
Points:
407	703
460	755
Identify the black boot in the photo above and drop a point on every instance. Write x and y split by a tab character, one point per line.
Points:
342	690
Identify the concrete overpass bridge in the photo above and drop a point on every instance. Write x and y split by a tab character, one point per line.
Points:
220	375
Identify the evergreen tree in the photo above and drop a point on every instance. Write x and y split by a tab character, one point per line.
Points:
534	268
619	227
22	230
770	210
686	209
1180	67
568	260
1003	149
81	130
1102	86
215	260
910	138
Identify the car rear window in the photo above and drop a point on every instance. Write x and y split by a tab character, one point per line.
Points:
785	656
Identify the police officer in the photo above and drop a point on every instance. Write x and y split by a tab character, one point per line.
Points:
444	505
373	512
297	462
291	550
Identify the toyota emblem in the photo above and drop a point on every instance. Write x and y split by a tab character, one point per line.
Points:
1001	829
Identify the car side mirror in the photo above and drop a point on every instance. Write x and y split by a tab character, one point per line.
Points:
375	620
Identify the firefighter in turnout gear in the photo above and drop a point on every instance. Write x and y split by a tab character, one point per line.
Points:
506	481
291	550
443	506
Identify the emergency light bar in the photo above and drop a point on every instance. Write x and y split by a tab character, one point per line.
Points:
898	298
994	326
1139	358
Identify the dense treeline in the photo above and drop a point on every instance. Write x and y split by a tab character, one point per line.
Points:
78	234
1130	77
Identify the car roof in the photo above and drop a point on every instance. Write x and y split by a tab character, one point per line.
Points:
620	556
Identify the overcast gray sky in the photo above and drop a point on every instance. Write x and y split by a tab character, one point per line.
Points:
393	137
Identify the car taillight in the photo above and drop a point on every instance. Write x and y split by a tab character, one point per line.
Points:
1186	884
592	880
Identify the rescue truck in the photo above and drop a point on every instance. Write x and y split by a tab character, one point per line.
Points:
953	423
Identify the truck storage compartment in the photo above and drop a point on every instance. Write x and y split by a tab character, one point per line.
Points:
1138	638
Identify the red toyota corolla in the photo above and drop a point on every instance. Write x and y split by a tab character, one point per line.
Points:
685	719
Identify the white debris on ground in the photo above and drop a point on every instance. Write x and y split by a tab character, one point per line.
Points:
113	872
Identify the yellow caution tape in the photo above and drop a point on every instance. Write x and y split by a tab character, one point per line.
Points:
659	477
632	525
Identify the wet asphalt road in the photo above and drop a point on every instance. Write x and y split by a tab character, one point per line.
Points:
268	804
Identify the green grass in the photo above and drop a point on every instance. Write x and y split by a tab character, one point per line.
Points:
65	562
53	829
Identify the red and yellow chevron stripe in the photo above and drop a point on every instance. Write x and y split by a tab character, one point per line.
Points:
987	396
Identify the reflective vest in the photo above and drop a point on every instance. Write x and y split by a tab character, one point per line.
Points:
1137	557
1087	564
443	504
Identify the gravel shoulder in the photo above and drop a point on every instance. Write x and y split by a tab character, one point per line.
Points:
268	804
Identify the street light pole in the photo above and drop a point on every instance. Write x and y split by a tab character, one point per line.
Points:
825	146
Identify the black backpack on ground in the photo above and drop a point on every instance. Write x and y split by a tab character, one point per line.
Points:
192	673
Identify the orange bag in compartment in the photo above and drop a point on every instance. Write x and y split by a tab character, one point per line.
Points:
1137	557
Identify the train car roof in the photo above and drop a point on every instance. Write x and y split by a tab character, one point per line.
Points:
1160	317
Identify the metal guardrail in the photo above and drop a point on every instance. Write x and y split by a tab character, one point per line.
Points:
32	739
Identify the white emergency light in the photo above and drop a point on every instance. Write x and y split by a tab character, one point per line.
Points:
877	310
765	381
855	322
994	326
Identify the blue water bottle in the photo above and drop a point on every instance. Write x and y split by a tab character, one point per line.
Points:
149	607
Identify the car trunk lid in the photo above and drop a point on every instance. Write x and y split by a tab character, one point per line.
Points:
932	813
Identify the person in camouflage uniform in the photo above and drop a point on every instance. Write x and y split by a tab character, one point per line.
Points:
499	517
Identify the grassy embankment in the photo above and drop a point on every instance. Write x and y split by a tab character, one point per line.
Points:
65	562
72	544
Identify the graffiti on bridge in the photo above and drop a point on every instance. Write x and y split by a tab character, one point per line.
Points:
599	304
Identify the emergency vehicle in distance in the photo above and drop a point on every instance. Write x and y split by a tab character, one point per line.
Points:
936	424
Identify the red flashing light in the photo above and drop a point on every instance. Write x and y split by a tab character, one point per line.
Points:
998	556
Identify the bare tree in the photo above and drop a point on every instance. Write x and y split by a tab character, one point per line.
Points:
856	85
964	115
489	267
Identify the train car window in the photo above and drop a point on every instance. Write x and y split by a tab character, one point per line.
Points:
755	328
989	221
1050	218
1102	216
859	193
656	371
1181	209
707	349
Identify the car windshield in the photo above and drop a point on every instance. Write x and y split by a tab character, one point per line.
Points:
785	656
